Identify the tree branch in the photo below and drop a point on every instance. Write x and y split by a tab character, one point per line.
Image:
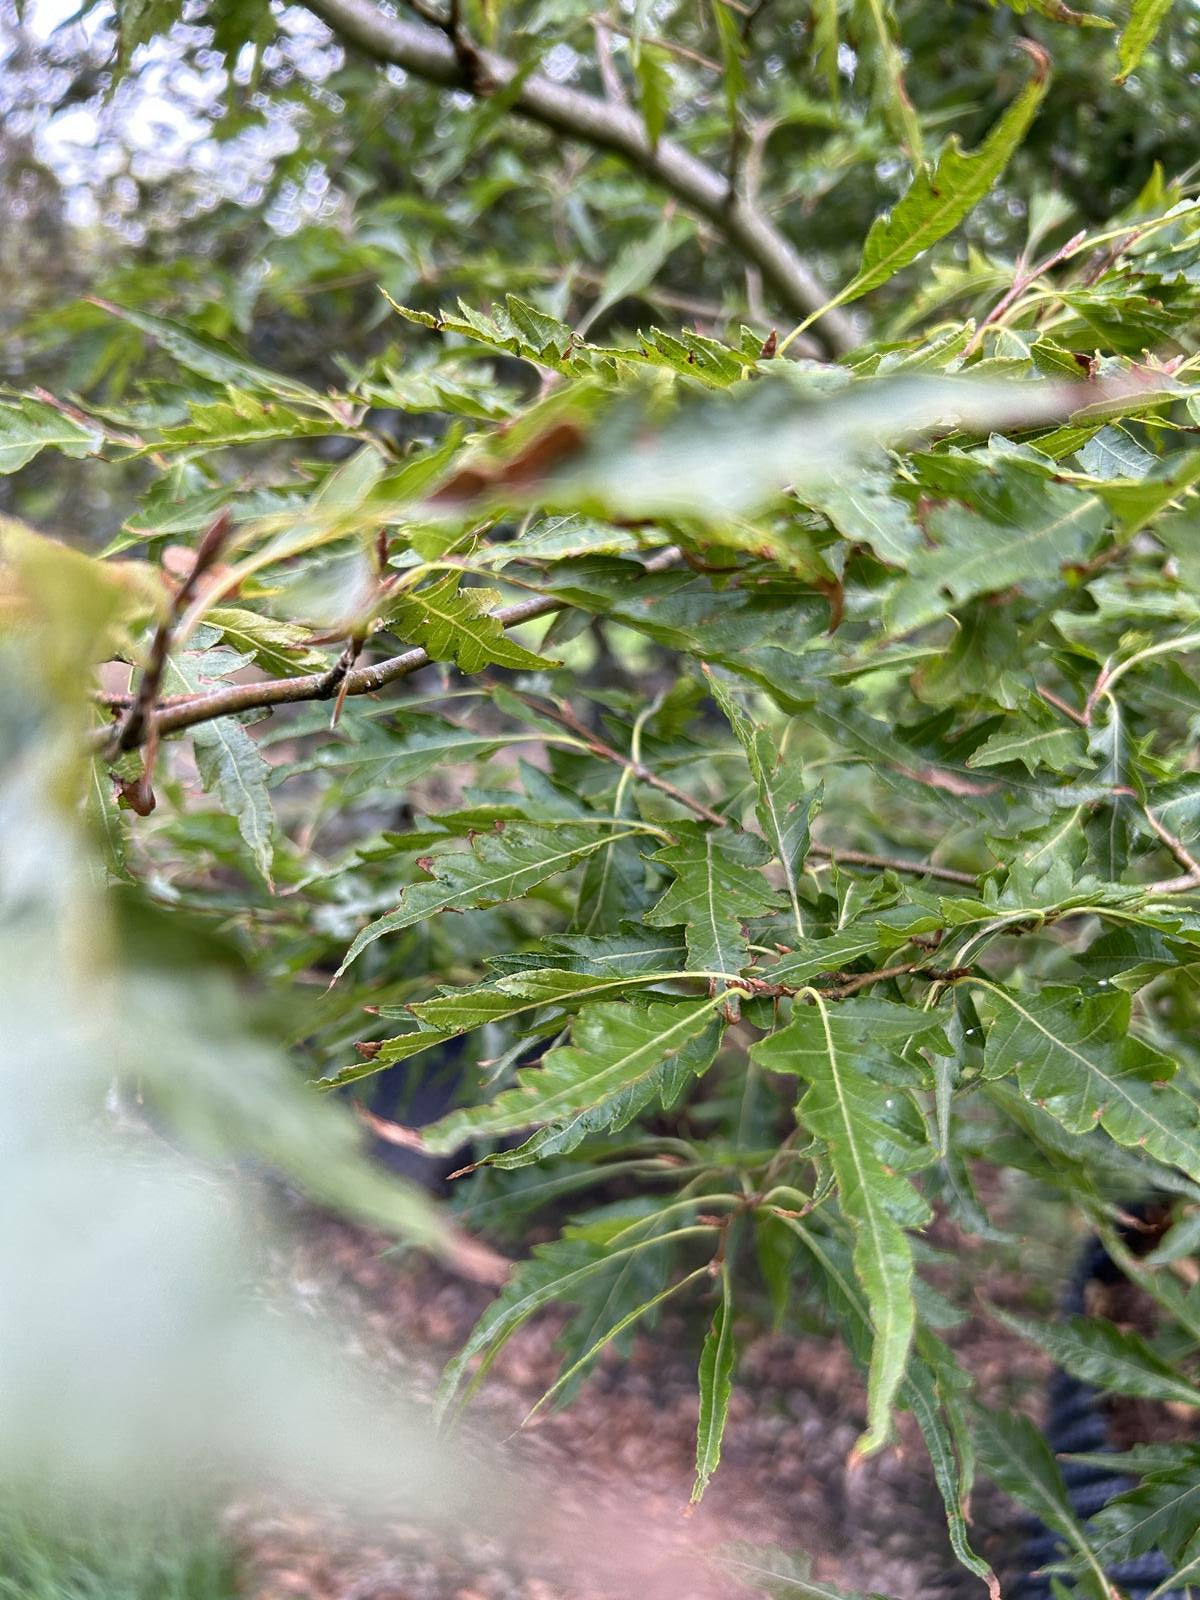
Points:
134	729
864	858
1185	858
320	685
593	121
176	715
260	696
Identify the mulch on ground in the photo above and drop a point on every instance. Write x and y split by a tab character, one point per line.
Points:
613	1471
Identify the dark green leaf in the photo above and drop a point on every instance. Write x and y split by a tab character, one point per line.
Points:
716	1387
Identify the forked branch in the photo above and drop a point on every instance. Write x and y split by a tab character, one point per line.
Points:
430	54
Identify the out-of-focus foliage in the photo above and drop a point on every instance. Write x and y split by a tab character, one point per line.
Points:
834	844
43	1560
131	1360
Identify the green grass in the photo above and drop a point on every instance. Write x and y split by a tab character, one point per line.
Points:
48	1556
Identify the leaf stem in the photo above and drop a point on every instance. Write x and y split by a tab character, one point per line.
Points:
1020	283
1112	674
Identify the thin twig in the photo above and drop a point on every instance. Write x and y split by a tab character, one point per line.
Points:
907	969
1061	705
238	697
1109	258
174	716
860	858
132	731
637	769
862	980
923	869
1181	885
177	715
1020	283
614	89
1114	670
566	718
659	43
131	441
121	699
1098	690
1181	853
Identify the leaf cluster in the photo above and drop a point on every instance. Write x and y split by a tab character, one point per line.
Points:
771	777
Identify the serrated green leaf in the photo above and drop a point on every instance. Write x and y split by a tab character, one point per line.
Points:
1014	1454
104	817
864	510
563	539
612	1331
459	1011
243	419
621	1057
1016	530
516	326
1161	1513
208	359
1185	1575
717	885
1073	1054
400	1048
811	957
1100	1353
825	43
635	267
941	196
629	948
281	648
637	31
716	1387
785	804
880	49
231	764
1139	505
373	758
920	1393
849	1105
497	866
229	761
1115	453
924	1392
553	1273
1035	737
1146	17
691	355
653	70
30	426
456	624
734	72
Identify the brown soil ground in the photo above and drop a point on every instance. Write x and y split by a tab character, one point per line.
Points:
615	1467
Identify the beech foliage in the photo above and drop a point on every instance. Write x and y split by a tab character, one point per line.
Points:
746	712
